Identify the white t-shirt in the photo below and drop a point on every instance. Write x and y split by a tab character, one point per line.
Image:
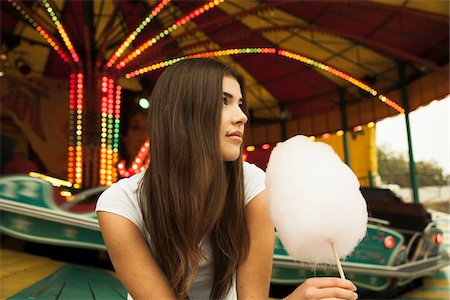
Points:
121	199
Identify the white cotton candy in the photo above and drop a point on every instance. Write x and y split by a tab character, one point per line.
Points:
314	199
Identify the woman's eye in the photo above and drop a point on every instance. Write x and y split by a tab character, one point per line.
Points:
225	100
241	103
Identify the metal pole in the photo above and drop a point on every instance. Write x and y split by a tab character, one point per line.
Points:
412	164
344	124
283	117
371	179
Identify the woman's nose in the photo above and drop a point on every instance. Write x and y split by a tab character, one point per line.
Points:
240	116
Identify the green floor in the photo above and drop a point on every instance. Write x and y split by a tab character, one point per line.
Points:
75	282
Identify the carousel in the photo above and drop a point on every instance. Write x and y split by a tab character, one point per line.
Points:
75	83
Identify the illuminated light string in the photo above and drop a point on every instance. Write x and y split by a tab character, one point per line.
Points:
54	181
142	160
326	135
116	131
135	33
67	194
283	53
181	22
40	30
329	69
71	164
61	31
218	53
110	130
137	165
75	153
391	103
140	163
72	126
79	129
265	146
103	125
110	122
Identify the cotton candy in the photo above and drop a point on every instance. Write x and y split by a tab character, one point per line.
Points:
314	200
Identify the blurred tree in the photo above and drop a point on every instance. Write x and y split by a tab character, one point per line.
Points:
393	168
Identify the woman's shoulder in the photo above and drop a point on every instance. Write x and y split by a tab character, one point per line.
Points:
252	170
128	187
254	181
122	198
131	182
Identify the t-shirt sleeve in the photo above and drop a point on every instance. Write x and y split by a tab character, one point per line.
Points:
254	181
121	199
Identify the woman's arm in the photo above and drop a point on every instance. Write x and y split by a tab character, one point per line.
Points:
132	259
253	275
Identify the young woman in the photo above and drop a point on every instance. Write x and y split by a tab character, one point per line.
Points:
196	224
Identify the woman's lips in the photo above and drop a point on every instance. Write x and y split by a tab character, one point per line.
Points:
235	136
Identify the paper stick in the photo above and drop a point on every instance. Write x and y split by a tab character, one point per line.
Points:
341	271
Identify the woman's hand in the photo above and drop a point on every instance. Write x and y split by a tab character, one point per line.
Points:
324	288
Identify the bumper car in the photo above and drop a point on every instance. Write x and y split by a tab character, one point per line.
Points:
46	210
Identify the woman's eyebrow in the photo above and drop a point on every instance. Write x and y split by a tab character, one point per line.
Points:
229	95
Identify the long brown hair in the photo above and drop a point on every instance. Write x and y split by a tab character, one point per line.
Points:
189	194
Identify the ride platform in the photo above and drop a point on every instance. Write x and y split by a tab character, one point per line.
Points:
25	276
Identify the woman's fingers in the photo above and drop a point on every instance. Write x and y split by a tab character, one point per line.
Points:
335	293
325	282
325	288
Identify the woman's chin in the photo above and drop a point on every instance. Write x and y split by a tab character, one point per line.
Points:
231	156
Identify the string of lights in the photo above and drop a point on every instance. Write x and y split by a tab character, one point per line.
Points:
135	33
32	20
181	22
54	181
61	31
283	53
116	131
75	151
110	121
72	129
142	159
140	163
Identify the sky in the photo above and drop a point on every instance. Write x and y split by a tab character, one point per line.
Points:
430	131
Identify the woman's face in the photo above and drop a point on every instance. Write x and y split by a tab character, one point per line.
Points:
233	120
136	134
